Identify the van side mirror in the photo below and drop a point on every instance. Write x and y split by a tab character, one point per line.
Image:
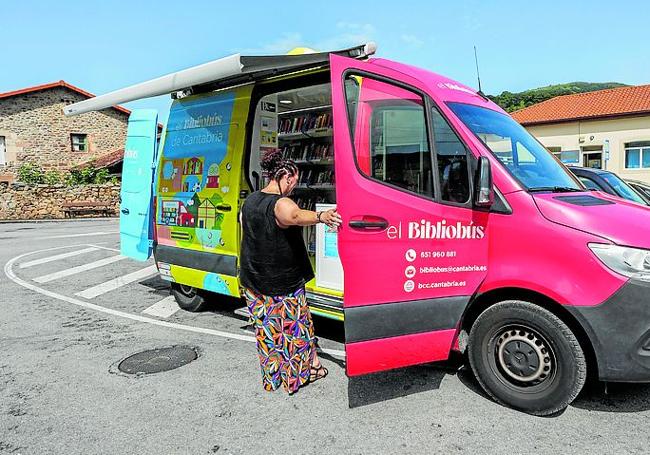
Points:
483	189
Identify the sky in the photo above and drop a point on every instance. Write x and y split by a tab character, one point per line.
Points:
103	46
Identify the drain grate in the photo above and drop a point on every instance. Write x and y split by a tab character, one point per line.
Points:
158	360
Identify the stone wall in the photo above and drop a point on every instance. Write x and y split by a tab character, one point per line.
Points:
38	202
36	131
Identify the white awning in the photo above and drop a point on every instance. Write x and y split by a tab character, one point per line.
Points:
232	69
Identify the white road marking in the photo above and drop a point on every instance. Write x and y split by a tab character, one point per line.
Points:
163	309
78	269
56	257
88	234
105	248
243	312
118	282
9	272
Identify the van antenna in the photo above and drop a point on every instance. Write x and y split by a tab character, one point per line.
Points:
478	76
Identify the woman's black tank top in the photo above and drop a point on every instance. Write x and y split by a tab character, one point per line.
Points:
273	260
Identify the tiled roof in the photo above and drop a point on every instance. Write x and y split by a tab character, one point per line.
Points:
109	159
54	85
103	161
614	102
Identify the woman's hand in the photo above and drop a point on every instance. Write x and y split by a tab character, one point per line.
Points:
331	218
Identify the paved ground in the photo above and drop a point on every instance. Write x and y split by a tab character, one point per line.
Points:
62	334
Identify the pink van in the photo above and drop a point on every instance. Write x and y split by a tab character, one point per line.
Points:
461	232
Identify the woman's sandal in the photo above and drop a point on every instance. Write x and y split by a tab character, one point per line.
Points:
315	373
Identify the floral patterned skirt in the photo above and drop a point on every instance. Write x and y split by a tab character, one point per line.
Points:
286	344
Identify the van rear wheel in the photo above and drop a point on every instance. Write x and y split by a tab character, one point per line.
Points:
526	357
188	298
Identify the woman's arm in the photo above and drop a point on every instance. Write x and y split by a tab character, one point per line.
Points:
287	213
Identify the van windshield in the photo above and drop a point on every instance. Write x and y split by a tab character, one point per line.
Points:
526	159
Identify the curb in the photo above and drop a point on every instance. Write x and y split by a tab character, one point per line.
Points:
60	220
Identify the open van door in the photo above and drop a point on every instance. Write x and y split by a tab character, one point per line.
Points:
136	208
413	250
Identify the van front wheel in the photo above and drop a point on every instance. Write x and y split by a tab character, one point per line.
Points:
188	298
526	357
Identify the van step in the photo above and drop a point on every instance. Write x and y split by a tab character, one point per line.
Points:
326	306
324	301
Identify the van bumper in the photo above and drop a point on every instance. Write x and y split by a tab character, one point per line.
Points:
619	329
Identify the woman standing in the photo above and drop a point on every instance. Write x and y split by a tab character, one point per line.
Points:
274	269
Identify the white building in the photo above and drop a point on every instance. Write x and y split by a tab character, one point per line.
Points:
607	129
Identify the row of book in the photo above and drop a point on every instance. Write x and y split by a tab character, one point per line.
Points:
317	177
305	122
309	202
311	151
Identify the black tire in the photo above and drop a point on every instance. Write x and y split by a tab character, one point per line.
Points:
525	357
189	298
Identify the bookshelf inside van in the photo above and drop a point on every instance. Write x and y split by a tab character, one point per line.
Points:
298	122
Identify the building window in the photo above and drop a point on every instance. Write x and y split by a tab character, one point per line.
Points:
79	142
637	155
3	150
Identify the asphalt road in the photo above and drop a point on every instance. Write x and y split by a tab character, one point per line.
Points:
67	322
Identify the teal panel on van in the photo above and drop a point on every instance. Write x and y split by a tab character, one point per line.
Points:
136	208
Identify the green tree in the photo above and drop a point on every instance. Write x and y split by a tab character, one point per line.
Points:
511	102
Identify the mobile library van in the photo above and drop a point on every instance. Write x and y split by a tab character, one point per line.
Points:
461	232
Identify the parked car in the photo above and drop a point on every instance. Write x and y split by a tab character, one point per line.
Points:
608	182
642	188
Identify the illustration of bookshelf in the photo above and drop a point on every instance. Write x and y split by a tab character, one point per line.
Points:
305	136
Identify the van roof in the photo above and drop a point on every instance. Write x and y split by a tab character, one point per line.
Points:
440	87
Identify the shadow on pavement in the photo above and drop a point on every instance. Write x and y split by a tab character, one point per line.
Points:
614	397
466	377
157	285
383	386
596	396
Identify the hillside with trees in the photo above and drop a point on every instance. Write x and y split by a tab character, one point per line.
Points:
513	101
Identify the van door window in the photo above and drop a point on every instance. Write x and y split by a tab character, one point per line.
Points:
452	161
389	131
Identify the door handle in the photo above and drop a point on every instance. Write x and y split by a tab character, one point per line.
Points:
224	207
125	211
369	223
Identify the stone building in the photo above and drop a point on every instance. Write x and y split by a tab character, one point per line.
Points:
34	130
607	129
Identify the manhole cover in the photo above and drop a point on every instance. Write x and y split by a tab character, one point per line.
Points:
157	360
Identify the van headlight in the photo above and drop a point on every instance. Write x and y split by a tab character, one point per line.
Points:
631	262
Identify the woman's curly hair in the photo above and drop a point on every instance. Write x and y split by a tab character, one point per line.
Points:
275	166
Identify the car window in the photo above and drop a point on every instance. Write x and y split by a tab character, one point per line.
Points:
643	190
623	189
590	184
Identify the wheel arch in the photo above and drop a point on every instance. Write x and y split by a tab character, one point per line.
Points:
481	302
